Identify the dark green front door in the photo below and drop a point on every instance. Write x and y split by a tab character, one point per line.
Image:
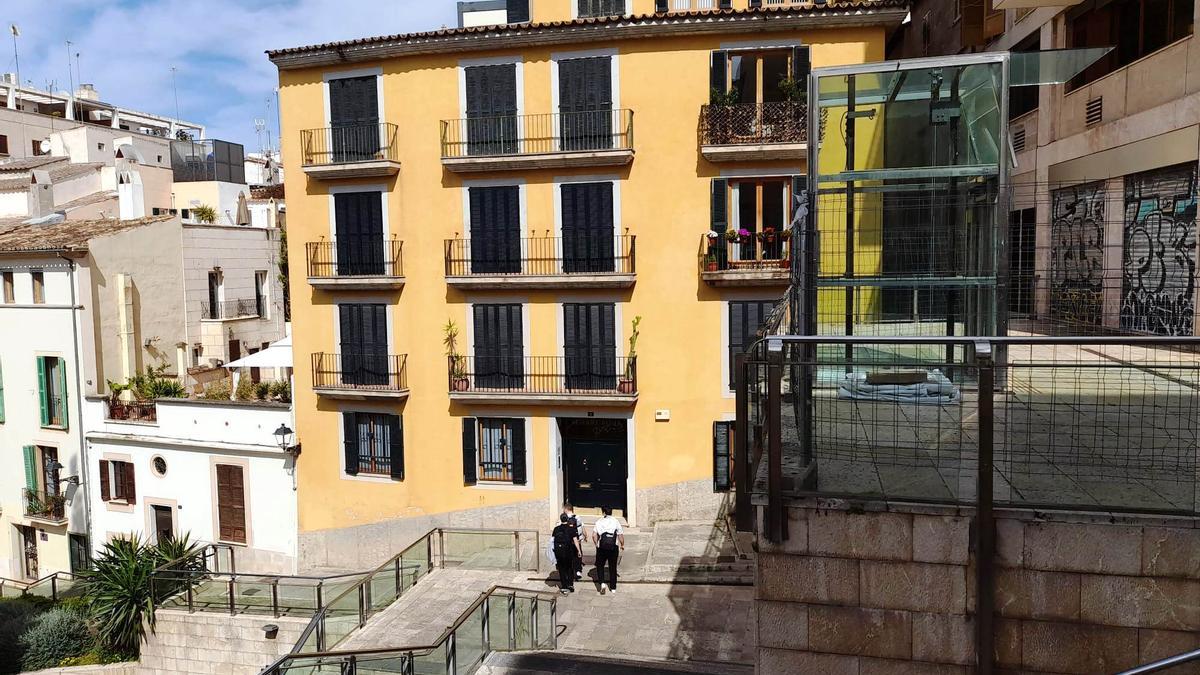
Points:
594	462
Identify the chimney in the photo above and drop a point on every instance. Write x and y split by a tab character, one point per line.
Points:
8	78
87	92
41	194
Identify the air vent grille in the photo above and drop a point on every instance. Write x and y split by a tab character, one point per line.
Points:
1094	112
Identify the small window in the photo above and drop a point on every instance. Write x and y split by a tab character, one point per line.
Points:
52	391
3	145
159	465
100	146
117	482
260	294
36	148
745	318
6	278
374	444
160	159
38	279
722	456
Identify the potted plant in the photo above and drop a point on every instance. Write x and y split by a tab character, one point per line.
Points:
731	235
710	263
767	236
625	382
744	236
457	362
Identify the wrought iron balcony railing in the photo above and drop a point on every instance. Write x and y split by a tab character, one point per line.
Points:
754	123
360	371
44	505
355	257
584	253
581	371
597	8
229	309
755	251
347	144
583	131
132	411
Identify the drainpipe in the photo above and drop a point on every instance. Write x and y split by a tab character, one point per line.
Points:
125	318
84	484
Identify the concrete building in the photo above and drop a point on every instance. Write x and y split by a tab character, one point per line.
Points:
99	301
213	470
522	236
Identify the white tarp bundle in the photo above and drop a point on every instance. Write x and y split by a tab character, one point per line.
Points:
937	389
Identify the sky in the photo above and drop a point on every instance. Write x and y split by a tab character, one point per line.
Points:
127	49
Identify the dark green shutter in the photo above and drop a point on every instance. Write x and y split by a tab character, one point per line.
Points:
755	4
43	393
468	450
350	441
518	451
660	6
518	11
801	67
396	446
716	72
726	4
721	456
31	478
62	392
720	206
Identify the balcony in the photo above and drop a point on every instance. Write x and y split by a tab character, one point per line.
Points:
355	264
132	411
230	310
591	380
552	140
581	261
360	376
756	260
754	131
592	9
41	505
357	151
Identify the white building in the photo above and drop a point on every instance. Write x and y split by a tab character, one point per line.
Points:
89	301
213	470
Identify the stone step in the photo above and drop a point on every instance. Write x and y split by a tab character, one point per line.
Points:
579	663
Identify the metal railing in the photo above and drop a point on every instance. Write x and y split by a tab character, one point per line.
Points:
753	251
131	411
529	622
355	257
366	142
598	8
1164	664
229	309
754	123
56	413
1102	423
53	586
599	252
500	135
379	372
692	5
585	372
44	505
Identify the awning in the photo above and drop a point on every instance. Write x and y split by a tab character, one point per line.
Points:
277	355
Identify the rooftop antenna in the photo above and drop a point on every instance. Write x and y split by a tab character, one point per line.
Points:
71	80
259	125
175	88
16	33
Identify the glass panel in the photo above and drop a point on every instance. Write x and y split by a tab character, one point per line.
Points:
311	666
1051	67
775	70
498	635
310	642
430	663
545	623
341	618
383	588
297	597
415	562
479	550
744	80
252	594
381	664
523	624
468	645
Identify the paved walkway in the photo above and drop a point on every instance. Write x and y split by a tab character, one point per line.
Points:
649	620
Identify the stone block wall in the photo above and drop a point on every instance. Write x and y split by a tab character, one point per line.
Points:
211	642
893	591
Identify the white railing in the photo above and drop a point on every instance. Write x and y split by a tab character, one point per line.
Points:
691	5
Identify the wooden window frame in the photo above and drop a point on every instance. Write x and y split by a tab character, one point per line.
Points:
506	450
37	283
10	289
372	464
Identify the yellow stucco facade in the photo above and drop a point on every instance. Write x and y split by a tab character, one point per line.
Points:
662	197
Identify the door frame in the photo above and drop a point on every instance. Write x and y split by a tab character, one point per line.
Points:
151	526
24	531
558	483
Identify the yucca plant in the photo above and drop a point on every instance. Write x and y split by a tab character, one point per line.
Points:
204	214
118	589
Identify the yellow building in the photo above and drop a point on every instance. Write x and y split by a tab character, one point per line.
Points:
541	182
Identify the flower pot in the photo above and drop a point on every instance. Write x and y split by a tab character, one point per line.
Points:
785	264
710	266
625	385
460	384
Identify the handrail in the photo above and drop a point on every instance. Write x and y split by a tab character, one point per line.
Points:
26	586
1119	340
1163	664
446	635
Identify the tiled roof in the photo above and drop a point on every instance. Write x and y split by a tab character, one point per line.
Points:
267	192
27	163
19	180
67	235
529	27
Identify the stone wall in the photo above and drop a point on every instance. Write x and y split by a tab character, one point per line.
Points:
210	642
876	592
127	668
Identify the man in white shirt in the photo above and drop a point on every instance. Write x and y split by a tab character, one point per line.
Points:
609	539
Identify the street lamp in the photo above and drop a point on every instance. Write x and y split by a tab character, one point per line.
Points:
55	467
284	436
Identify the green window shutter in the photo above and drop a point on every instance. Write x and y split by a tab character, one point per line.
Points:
43	395
1	394
31	478
62	392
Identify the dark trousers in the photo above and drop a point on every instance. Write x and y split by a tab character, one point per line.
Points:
566	569
608	558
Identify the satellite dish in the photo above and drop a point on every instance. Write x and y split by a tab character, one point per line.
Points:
44	146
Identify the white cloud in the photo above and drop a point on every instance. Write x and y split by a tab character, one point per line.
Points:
224	79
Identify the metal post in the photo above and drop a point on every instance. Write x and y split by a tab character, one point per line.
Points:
512	621
487	633
776	527
441	548
399	564
350	666
275	596
451	654
320	594
232	611
743	482
849	262
553	622
362	608
985	521
54	587
516	550
189	596
534	629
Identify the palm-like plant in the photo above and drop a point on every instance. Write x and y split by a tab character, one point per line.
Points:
118	589
204	214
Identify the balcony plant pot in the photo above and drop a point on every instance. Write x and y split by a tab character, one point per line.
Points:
625	386
460	384
785	264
